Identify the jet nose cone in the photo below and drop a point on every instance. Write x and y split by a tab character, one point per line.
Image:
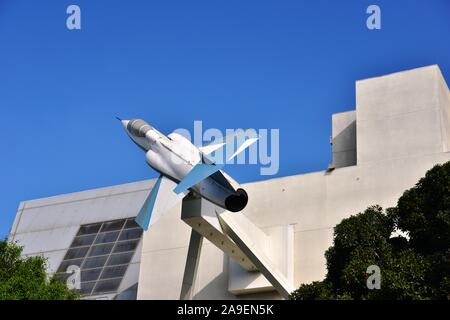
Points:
125	123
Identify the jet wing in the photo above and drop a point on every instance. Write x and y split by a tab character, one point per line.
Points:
198	173
206	167
160	199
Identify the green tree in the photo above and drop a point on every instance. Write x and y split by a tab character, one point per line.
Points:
424	211
26	279
412	267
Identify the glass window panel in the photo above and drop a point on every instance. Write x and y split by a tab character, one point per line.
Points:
76	253
131	224
114	272
113	225
107	237
86	288
107	285
90	275
125	246
94	262
130	234
122	258
65	264
101	249
89	228
107	260
83	240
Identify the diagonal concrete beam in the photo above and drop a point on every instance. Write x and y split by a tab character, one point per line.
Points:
240	229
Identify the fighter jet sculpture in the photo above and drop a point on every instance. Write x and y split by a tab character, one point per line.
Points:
185	168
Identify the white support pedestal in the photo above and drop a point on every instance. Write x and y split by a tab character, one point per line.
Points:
259	261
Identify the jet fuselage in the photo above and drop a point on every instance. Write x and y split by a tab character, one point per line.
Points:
174	156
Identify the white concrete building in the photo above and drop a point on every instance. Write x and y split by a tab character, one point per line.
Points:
399	130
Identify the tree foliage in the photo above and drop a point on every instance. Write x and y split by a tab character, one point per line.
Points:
416	266
26	278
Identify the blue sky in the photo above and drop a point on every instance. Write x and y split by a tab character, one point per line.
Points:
232	64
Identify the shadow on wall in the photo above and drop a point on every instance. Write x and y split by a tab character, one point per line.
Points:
214	289
344	147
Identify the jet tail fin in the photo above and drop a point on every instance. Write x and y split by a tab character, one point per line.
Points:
243	139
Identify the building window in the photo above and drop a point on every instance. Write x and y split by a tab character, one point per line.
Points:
103	252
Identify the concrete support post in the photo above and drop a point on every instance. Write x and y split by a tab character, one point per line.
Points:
190	270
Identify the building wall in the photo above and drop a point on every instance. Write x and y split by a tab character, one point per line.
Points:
404	114
399	130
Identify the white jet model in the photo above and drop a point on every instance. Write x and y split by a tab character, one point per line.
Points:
184	168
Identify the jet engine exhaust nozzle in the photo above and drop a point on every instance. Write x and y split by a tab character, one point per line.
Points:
237	202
